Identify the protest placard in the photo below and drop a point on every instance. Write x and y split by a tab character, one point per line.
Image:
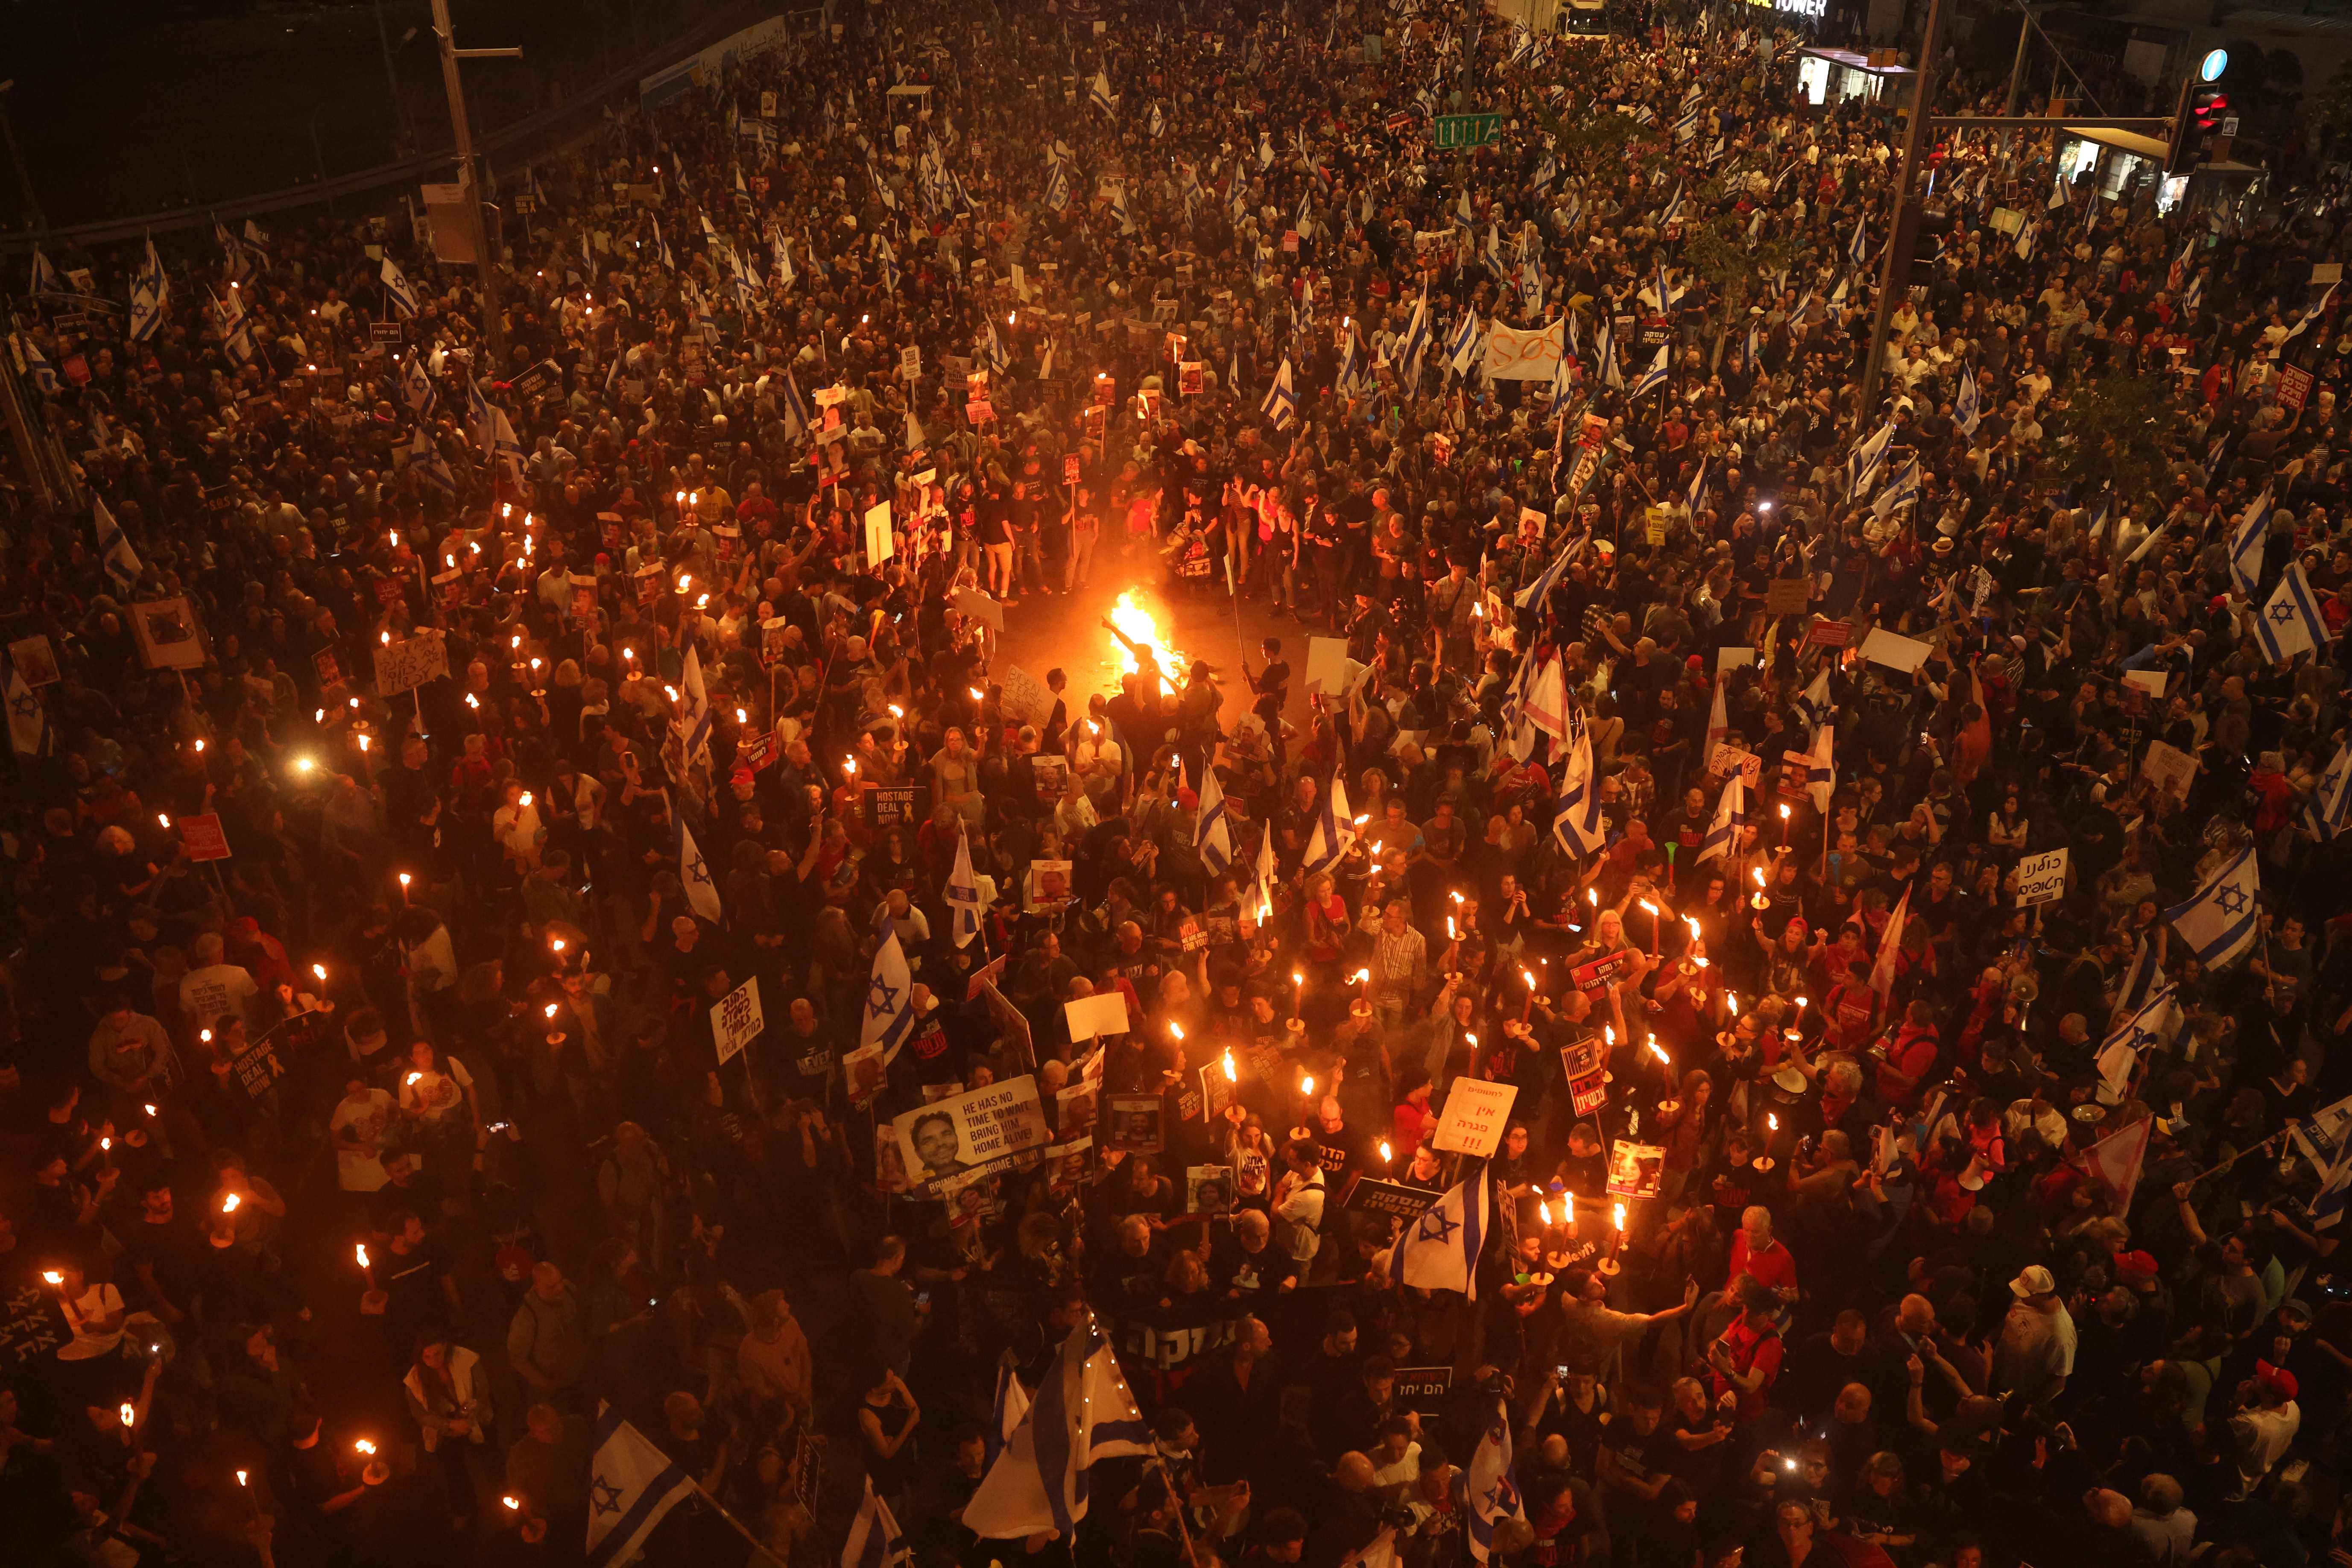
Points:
1098	1016
979	1132
409	663
735	1020
2042	879
1475	1114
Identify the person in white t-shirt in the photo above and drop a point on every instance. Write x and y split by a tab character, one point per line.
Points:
212	987
360	1125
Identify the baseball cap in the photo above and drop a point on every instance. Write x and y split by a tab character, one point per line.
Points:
2277	1379
2135	1266
2033	1280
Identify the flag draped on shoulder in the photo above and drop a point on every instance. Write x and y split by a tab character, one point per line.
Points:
1439	1251
632	1485
2218	924
1083	1411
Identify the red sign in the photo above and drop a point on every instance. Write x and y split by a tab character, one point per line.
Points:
204	838
1828	633
2295	385
1590	1092
1400	121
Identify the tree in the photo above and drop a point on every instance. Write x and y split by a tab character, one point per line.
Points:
2111	429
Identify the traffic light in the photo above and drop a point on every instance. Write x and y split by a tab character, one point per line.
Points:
2198	118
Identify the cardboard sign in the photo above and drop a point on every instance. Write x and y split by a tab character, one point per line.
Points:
886	805
1786	595
1097	1017
2042	879
1828	633
1726	759
257	1070
1424	1388
1635	1170
35	659
880	546
2171	769
406	665
977	605
1394	1200
1326	665
1475	1115
1589	1092
1894	650
736	1021
169	636
202	838
981	1133
911	362
1026	697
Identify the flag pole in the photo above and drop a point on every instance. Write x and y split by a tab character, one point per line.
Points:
737	1525
2241	1154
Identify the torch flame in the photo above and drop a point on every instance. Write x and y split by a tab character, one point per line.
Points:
1231	1075
361	1250
1617	1215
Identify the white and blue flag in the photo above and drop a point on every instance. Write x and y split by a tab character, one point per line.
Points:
1723	832
2290	622
114	547
1820	768
2329	810
2143	979
1212	836
1576	818
890	1000
1334	833
1005	1413
1083	1412
631	1486
1280	407
1491	1484
1966	410
874	1539
28	719
694	875
2246	544
2217	924
425	461
1439	1251
397	289
963	893
1652	378
417	390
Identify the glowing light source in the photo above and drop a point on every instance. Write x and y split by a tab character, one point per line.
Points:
1135	623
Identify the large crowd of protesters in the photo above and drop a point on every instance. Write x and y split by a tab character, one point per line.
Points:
350	1179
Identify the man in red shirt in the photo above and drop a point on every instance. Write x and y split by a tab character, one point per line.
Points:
1757	1255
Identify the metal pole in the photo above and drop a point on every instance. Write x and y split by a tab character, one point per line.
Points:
403	135
2017	68
1898	252
494	336
16	155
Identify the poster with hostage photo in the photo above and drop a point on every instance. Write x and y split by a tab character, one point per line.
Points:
981	1132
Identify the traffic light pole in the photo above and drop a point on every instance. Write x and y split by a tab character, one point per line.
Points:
1899	238
494	334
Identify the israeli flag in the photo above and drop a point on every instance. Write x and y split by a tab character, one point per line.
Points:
2311	315
1575	819
1966	414
890	1000
874	1539
505	450
2290	623
2143	979
1334	832
631	1486
781	248
1212	836
963	893
1057	187
2217	924
661	249
1820	769
1439	1251
2329	810
1264	872
425	461
1158	125
1687	126
28	720
1723	832
1265	149
397	289
1352	362
1858	249
114	547
1546	174
1005	1413
1747	350
45	276
1280	407
238	343
796	408
417	389
2246	544
693	722
1695	498
1652	378
1903	491
1098	93
2190	295
1671	215
1415	342
1083	1412
694	875
1491	1483
1861	464
2156	1022
1612	374
1463	352
146	311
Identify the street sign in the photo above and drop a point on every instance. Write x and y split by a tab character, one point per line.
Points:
1468	130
